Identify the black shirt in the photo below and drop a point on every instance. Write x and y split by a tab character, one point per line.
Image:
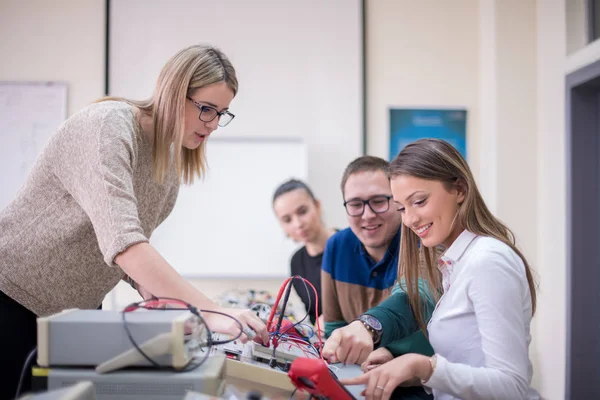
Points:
309	268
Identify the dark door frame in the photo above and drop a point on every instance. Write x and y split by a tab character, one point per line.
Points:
583	233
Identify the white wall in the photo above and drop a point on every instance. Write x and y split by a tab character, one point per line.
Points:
298	63
515	150
550	320
422	54
60	40
576	25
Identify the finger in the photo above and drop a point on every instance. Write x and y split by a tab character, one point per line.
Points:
362	356
353	356
243	338
331	345
357	380
390	386
370	390
255	328
364	366
259	329
379	387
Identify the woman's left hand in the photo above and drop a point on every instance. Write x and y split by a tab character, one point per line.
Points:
248	319
382	380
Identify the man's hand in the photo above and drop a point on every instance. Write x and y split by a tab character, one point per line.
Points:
376	358
349	345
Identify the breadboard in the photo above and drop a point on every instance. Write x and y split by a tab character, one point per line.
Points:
285	352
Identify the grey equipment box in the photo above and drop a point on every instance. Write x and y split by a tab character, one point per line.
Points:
146	384
81	391
75	338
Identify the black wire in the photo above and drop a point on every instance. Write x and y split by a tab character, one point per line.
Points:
133	342
308	311
305	316
293	393
27	361
237	321
209	341
286	297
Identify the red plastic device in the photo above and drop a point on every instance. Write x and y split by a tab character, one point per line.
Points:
314	376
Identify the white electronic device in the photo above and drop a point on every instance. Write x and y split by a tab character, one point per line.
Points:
100	339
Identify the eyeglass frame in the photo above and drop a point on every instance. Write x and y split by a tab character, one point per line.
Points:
217	112
368	203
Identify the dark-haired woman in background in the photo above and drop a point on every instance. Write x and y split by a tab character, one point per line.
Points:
299	214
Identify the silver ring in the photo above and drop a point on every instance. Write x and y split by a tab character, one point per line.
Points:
379	387
249	332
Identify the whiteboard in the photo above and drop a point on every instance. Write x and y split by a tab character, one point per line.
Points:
30	112
224	225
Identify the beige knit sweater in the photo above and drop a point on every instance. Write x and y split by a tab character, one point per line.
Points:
89	196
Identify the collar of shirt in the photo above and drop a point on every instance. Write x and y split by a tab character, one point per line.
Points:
450	258
391	251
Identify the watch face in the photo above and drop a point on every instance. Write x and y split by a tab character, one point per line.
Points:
372	321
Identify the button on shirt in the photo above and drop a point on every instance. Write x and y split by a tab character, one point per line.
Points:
480	326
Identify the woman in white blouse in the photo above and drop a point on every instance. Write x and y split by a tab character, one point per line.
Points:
480	326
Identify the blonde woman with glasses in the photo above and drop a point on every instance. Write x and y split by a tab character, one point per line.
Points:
105	180
482	284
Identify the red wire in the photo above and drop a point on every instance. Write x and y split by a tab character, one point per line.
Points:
272	315
281	289
317	317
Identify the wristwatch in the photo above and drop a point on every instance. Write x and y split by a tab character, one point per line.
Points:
373	326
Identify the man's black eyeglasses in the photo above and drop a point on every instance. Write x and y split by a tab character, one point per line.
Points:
377	204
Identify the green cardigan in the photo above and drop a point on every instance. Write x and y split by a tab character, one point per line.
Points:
401	332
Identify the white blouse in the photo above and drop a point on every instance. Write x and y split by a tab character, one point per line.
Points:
480	327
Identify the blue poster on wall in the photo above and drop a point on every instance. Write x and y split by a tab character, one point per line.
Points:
408	125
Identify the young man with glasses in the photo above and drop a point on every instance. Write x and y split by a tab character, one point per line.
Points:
360	263
360	267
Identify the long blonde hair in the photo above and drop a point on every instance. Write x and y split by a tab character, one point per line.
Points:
434	159
192	68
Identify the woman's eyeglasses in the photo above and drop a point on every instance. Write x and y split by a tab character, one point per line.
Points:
208	113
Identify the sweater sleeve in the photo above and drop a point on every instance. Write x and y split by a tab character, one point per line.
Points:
398	320
332	312
95	165
415	343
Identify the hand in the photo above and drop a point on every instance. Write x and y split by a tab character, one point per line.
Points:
376	359
382	381
248	318
349	345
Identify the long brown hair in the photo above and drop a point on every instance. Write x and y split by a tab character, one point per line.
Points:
437	160
191	68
